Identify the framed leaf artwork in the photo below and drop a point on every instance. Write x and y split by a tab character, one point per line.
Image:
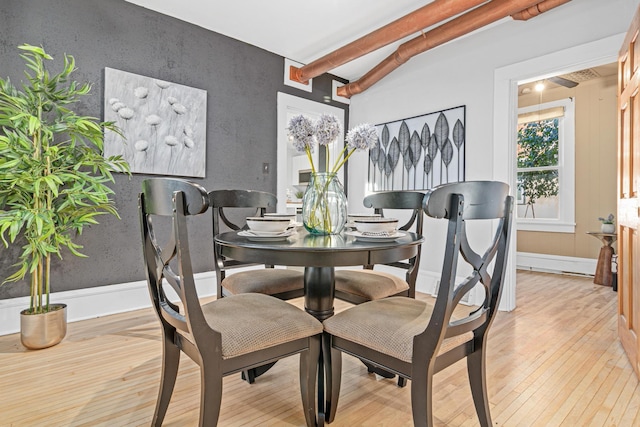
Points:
419	152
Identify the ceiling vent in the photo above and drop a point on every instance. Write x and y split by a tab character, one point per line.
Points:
582	75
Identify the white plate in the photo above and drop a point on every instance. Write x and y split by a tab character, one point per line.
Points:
261	237
264	233
365	238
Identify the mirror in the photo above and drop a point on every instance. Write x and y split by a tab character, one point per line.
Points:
293	167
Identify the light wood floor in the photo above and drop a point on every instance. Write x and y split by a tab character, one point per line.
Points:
555	361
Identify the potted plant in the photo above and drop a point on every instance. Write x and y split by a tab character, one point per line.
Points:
52	182
607	225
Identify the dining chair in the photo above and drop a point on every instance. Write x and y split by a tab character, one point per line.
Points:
358	286
229	208
415	339
226	335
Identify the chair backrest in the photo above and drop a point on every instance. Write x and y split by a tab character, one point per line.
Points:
223	203
399	200
164	204
219	200
463	203
409	200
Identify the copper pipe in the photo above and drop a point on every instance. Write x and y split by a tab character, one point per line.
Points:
470	21
536	10
419	19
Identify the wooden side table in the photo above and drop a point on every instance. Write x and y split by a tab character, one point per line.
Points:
604	276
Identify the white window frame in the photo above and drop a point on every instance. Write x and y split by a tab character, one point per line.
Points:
565	223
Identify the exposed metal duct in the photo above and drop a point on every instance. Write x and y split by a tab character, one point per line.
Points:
470	21
418	20
536	10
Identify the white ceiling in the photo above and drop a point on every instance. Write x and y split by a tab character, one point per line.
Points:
301	30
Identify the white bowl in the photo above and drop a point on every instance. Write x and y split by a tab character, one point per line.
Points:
376	225
353	216
290	217
268	224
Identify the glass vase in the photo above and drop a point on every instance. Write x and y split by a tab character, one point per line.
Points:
324	205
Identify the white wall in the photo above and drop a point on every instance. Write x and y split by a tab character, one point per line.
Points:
462	73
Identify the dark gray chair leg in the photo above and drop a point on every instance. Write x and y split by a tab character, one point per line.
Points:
210	394
308	369
170	364
478	382
422	396
334	368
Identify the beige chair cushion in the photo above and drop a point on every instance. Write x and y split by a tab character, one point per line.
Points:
370	284
251	322
388	326
268	281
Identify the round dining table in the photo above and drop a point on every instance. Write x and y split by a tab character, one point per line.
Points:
319	255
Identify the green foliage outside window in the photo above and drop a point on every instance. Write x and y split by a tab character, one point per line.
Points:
538	151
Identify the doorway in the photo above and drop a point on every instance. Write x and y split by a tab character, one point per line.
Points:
506	80
566	167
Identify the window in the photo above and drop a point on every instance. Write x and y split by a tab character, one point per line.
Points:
545	167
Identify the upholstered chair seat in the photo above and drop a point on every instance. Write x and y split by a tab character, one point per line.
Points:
369	284
271	281
389	326
272	323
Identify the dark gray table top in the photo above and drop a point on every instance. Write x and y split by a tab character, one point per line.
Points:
304	249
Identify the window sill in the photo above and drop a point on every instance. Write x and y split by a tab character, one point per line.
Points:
550	226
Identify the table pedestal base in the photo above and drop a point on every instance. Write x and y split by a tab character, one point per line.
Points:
319	291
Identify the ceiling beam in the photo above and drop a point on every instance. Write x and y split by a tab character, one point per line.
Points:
418	20
464	24
536	10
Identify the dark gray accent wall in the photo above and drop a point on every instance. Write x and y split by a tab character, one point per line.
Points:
241	81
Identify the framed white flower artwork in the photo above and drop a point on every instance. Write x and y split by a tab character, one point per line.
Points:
164	124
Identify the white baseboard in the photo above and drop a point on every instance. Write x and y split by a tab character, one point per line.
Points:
427	281
555	263
111	299
96	302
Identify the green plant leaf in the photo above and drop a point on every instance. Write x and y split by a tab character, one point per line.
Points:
35	50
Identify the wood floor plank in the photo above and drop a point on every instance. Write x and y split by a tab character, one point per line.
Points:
554	361
630	389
